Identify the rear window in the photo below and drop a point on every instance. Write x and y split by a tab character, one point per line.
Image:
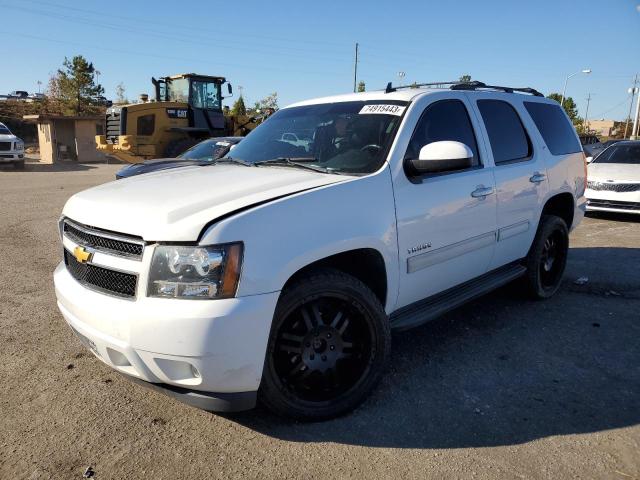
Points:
508	138
554	127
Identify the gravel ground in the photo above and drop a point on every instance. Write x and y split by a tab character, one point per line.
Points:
500	388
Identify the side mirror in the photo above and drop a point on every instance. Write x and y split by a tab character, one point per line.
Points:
589	159
444	156
229	89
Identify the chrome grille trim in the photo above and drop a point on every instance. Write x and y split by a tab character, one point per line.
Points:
101	241
613	187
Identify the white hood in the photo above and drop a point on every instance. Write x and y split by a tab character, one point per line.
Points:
9	137
174	205
618	172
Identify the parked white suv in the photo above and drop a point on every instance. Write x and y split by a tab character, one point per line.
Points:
278	272
11	148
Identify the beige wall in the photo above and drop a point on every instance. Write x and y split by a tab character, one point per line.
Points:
601	127
45	140
86	142
77	135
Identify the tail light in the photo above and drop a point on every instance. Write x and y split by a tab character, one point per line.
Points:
584	161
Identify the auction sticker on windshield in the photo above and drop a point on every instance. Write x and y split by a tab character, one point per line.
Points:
383	109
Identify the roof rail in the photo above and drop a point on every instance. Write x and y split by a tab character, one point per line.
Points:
475	85
390	88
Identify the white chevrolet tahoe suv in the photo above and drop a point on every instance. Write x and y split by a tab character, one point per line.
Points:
277	273
11	148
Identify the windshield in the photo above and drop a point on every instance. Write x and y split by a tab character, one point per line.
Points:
178	90
346	137
4	130
208	150
620	154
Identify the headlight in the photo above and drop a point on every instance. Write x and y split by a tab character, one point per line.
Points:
195	272
19	146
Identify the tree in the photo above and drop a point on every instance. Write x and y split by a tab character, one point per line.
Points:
361	86
239	107
75	86
270	102
121	96
465	78
569	106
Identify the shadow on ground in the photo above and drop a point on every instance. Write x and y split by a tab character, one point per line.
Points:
503	370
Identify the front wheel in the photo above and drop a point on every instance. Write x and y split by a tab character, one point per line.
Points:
329	343
547	257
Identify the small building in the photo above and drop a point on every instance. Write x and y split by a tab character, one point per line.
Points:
602	128
65	138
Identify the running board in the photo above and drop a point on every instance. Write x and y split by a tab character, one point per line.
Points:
430	308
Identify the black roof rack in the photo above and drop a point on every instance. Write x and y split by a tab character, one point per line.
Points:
390	88
474	85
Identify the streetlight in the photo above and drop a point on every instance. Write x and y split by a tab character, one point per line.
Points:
564	90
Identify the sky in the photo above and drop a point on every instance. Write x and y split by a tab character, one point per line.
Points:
303	49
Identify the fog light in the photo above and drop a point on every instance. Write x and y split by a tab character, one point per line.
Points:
195	372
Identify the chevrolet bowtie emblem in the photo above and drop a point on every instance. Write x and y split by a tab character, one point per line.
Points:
81	254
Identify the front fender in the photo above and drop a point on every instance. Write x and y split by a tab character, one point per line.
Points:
285	235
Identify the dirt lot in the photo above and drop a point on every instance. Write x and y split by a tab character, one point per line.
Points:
501	388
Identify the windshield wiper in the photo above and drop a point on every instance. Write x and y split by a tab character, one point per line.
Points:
239	161
300	162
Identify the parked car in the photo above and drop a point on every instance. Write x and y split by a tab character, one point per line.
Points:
614	179
592	151
18	95
35	97
279	272
11	148
203	153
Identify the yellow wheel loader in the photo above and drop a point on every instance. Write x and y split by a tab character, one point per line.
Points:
186	110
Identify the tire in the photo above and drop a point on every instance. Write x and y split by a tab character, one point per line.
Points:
329	344
19	165
547	257
176	147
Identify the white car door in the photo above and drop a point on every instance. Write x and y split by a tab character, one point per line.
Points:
446	222
520	171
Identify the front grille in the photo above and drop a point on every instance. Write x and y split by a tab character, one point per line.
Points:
5	146
613	204
614	187
102	279
113	127
103	241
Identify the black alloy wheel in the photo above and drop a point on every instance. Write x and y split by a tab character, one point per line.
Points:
328	345
547	257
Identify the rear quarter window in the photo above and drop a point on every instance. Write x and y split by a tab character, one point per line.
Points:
555	128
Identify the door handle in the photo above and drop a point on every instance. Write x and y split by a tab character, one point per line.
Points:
482	191
537	177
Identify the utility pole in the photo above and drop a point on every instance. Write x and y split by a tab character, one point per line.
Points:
355	71
586	115
636	121
632	91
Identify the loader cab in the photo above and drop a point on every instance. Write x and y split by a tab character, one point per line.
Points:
201	93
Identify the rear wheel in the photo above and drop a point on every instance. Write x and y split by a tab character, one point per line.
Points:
329	342
547	257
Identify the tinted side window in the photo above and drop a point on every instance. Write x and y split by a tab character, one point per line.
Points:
508	138
146	124
554	127
443	120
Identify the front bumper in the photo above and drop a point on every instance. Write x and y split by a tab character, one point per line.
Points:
608	201
186	348
10	157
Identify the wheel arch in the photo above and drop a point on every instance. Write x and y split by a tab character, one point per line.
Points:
365	264
561	205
